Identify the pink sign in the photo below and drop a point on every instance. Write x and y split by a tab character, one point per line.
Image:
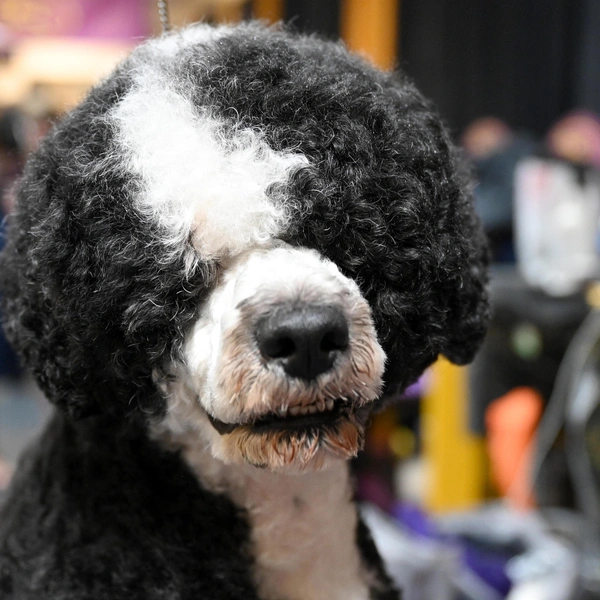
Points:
108	19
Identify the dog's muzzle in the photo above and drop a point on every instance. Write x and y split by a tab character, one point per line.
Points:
315	374
295	365
302	342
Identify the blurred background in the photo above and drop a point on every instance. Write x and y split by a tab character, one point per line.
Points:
479	483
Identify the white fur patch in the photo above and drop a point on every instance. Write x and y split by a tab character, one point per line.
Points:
303	527
202	179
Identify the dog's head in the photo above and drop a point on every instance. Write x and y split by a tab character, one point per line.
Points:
247	230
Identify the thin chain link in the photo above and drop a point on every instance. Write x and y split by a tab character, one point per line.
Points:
163	13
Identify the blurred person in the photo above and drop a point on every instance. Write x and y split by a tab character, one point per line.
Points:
576	138
12	150
495	149
12	145
12	142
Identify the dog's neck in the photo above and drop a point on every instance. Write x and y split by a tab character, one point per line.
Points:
303	526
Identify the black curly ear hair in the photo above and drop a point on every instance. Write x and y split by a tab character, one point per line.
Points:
98	298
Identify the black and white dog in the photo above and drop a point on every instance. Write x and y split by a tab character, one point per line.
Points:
219	263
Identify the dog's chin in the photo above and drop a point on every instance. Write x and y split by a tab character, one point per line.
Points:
293	443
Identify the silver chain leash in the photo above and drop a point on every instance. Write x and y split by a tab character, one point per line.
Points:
163	14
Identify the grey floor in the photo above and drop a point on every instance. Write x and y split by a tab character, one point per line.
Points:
23	412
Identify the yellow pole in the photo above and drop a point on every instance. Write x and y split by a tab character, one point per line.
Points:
269	10
370	27
455	457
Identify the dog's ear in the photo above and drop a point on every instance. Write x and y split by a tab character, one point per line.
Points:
462	285
31	297
94	303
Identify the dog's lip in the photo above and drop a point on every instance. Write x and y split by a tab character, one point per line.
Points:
342	409
222	427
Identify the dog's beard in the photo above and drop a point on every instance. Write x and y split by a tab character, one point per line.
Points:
308	441
301	442
311	449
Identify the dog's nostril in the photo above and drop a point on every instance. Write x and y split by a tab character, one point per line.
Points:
277	347
335	339
304	340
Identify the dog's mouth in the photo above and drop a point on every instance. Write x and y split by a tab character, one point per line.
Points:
299	438
316	416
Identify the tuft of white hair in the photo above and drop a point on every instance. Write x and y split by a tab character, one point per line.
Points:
203	180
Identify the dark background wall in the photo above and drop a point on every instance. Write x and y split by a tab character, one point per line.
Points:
321	16
525	61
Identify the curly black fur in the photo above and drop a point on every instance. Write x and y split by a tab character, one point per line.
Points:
99	512
95	305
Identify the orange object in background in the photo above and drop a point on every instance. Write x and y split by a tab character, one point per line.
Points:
371	29
511	422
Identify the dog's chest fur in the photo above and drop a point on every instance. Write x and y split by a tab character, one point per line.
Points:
303	527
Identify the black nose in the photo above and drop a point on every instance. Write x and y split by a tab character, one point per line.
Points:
305	340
